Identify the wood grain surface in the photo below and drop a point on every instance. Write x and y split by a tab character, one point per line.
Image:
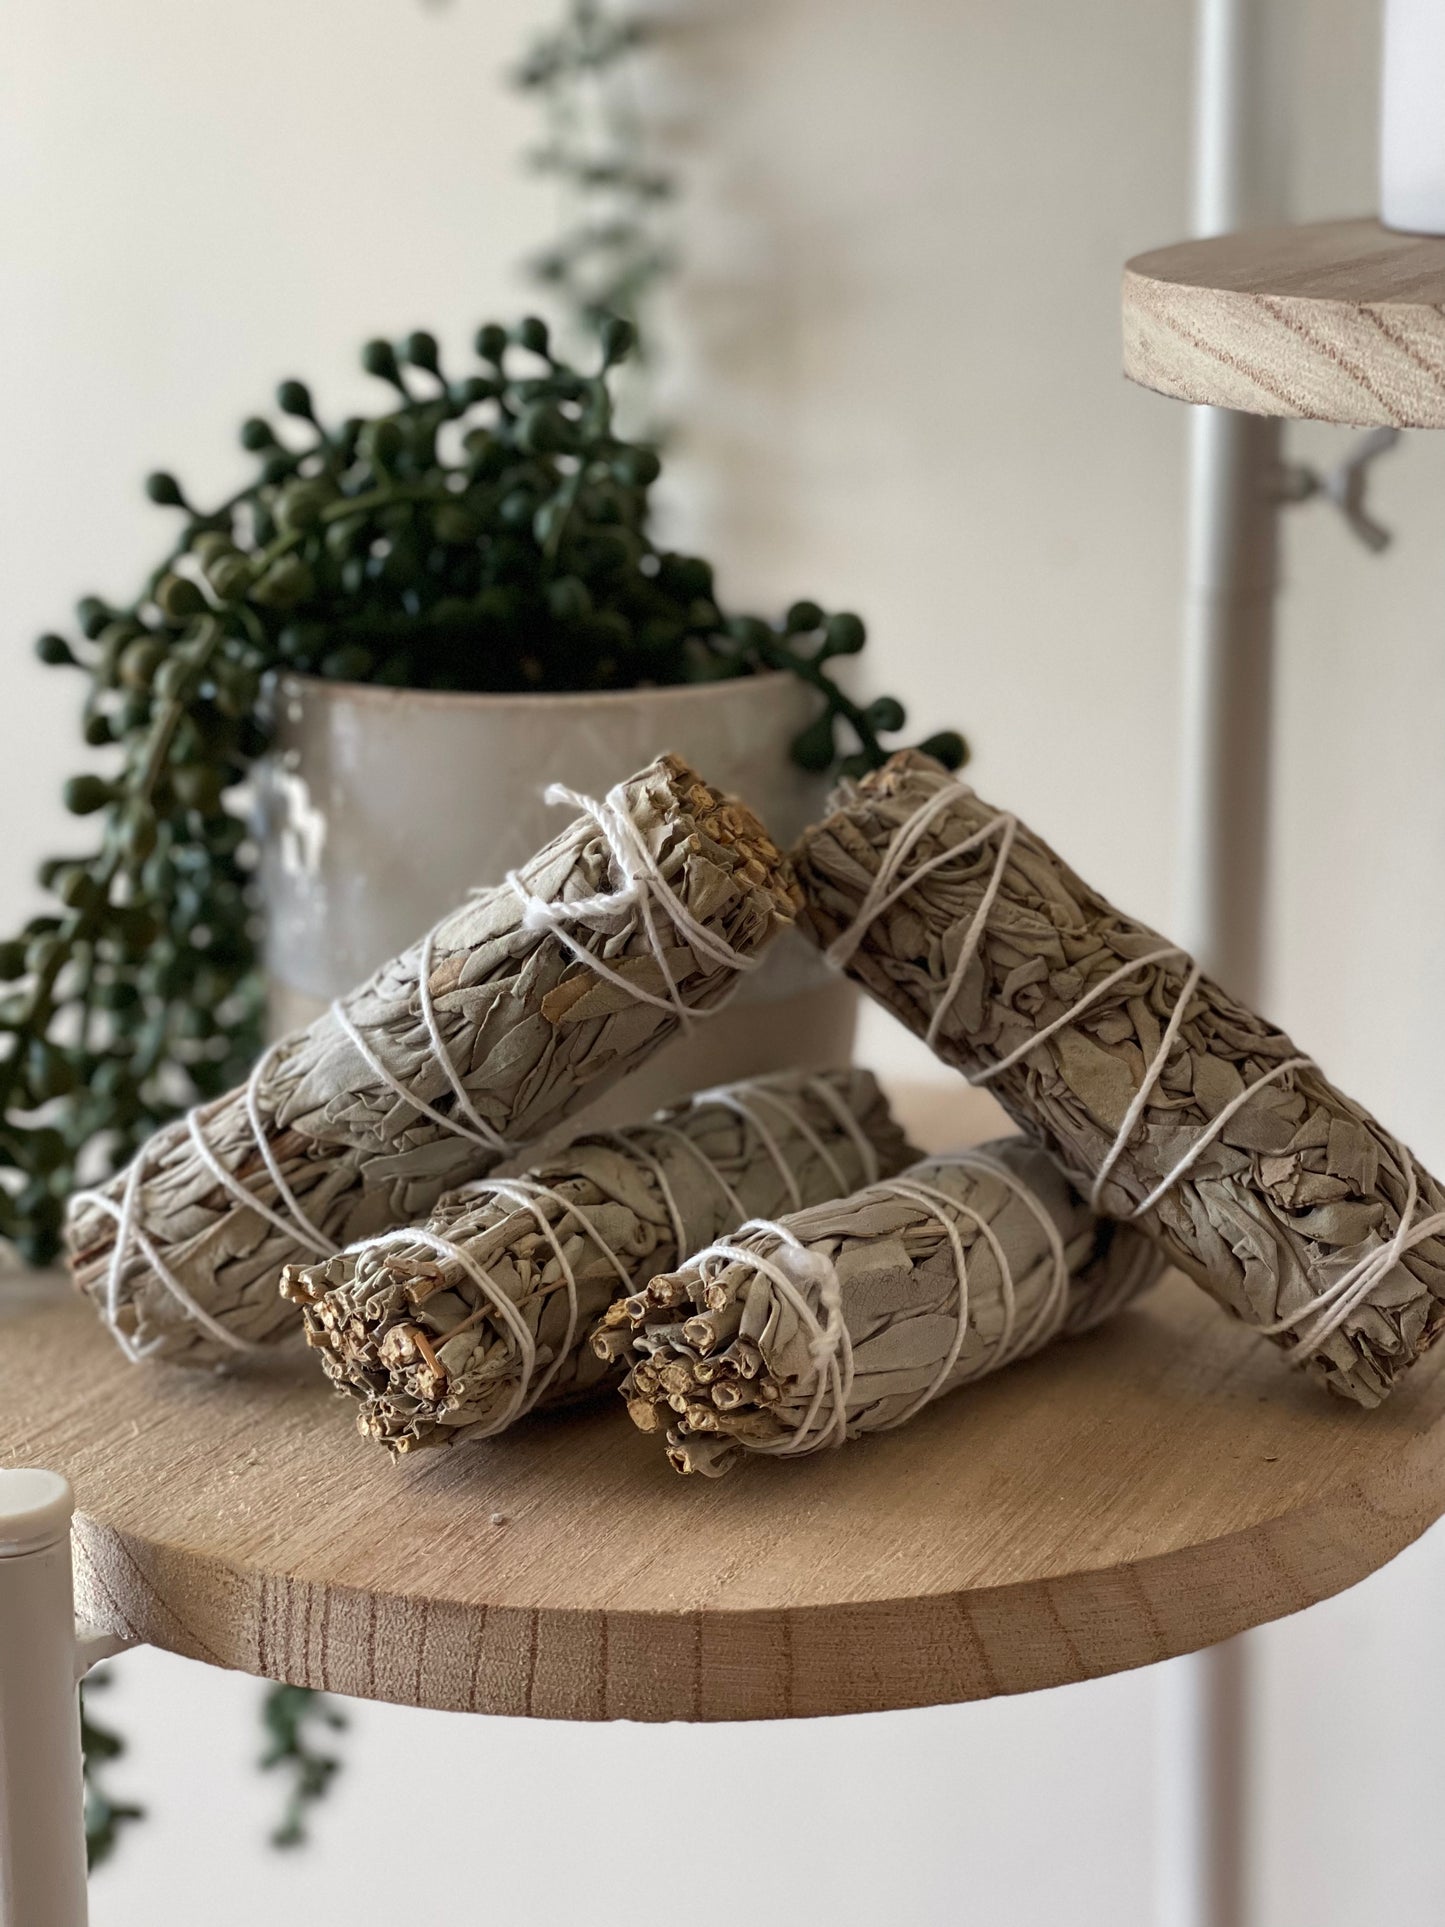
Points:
1342	321
1134	1494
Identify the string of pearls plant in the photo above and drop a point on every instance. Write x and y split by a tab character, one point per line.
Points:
485	531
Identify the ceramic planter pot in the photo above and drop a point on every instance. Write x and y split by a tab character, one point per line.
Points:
380	808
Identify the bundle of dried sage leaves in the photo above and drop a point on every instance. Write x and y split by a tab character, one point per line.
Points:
522	1005
455	1328
1172	1102
851	1316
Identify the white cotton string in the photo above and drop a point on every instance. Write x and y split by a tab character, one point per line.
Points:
1328	1310
1140	1101
943	1209
633	1149
131	1236
735	1098
668	1131
1130	968
819	1087
527	1195
886	887
296	1224
851	1128
973	936
1054	1305
488	1139
1011	1342
322	1245
128	1231
229	1183
795	1272
642	884
1213	1129
643	881
443	1055
765	1094
458	1255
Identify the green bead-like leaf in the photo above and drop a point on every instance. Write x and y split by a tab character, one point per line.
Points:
379	358
637	467
618	339
421	350
812	748
83	795
178	598
163	489
844	635
92	614
947	747
294	398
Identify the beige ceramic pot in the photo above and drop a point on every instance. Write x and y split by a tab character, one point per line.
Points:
380	808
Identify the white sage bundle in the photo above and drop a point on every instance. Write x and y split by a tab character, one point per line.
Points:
456	1328
523	1004
1181	1108
853	1315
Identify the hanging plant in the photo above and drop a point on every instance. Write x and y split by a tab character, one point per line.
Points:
483	531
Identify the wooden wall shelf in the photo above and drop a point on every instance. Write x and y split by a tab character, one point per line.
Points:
1342	321
1143	1491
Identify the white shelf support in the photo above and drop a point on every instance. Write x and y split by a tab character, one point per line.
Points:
42	1806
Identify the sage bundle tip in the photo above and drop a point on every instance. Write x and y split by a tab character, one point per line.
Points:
1176	1105
523	1004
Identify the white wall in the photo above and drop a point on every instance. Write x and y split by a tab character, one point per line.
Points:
897	363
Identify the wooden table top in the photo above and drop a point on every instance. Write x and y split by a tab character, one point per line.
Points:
1133	1494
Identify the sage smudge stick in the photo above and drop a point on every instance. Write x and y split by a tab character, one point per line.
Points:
851	1316
456	1328
1176	1104
527	1001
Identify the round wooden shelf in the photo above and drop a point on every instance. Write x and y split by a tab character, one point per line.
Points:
1137	1493
1342	321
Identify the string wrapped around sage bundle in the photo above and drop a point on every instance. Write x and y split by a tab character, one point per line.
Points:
1181	1108
853	1315
458	1327
521	1005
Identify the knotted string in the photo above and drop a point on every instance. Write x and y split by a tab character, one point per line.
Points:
644	887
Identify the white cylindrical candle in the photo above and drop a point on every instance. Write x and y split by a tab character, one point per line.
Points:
1412	122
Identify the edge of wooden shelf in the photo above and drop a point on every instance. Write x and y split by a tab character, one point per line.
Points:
1339	321
1150	1488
